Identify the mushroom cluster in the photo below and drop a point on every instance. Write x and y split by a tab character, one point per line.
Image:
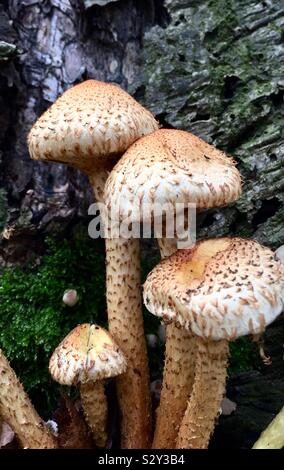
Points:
207	294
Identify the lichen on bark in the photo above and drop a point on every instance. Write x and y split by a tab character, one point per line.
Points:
217	70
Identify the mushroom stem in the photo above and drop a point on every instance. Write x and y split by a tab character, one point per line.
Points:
126	326
178	379
273	436
95	408
208	389
17	410
98	180
125	319
178	375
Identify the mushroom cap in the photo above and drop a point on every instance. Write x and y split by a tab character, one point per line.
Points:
88	124
88	353
220	289
171	166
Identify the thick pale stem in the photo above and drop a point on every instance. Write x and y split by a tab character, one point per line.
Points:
98	181
125	318
95	408
178	379
178	375
273	436
126	326
17	410
208	390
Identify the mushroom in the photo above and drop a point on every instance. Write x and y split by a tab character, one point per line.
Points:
18	412
166	168
273	436
70	297
87	356
89	127
219	290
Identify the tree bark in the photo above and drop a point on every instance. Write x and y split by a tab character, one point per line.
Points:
49	46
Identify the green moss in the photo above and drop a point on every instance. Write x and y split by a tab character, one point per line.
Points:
244	356
216	70
33	318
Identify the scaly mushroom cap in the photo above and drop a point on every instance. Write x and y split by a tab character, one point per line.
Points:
172	166
88	124
88	353
220	289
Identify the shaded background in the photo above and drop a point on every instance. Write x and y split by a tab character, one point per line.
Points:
213	67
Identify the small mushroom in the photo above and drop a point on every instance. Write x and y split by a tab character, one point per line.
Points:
273	436
219	290
89	127
70	297
86	357
167	169
18	412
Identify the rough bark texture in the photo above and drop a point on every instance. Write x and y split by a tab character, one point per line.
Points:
208	390
49	46
124	305
17	410
94	403
217	70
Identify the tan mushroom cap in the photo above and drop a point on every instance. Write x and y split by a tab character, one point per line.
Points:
220	289
172	166
88	353
89	123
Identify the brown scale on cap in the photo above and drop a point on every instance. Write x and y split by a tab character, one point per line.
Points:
87	356
220	289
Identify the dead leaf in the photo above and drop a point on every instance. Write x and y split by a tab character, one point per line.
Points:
73	432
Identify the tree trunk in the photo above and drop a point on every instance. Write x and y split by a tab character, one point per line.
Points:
210	67
217	71
49	45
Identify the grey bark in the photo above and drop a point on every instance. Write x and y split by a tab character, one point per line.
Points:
217	70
